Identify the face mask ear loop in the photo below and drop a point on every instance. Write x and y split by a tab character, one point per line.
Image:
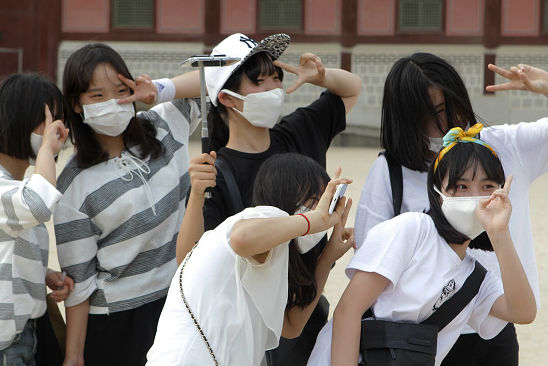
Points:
235	95
439	192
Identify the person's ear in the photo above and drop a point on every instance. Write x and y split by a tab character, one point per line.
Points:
76	107
227	100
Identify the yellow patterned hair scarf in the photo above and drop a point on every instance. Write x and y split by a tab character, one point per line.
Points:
455	135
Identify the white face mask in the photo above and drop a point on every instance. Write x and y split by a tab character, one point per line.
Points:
435	144
35	143
108	118
261	109
460	213
307	242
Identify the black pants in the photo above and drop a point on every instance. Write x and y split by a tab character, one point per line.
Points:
122	338
48	350
295	352
471	350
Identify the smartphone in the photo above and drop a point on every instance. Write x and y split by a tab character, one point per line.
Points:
207	61
339	192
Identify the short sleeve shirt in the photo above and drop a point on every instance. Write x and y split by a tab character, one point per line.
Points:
308	131
238	303
424	272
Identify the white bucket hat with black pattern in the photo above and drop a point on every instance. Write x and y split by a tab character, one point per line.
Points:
241	46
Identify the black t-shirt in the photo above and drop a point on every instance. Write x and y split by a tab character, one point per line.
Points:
307	131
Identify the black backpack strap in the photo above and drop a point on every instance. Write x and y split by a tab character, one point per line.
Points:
232	187
452	307
396	181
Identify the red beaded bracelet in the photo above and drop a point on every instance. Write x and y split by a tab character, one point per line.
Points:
307	221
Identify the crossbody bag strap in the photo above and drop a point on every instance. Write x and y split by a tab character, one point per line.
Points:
396	181
231	185
452	307
194	320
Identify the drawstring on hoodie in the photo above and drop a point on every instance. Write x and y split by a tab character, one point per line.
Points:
131	165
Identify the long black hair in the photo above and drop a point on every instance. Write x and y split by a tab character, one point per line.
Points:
454	165
407	107
77	76
22	101
288	181
217	119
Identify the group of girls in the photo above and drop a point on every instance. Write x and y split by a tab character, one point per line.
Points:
253	282
120	199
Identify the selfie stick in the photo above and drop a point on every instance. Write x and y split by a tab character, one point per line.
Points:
202	62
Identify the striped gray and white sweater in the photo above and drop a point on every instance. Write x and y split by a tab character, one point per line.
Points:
24	207
119	252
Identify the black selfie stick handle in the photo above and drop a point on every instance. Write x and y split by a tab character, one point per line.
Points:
205	149
205	145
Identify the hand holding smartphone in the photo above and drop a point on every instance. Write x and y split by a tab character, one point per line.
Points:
339	192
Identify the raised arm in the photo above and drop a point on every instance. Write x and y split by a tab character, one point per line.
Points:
150	91
517	304
342	239
30	202
311	70
255	237
202	175
521	77
53	139
187	85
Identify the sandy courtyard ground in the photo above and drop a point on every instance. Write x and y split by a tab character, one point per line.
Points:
355	163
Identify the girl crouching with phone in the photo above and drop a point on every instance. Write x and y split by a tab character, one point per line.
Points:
227	300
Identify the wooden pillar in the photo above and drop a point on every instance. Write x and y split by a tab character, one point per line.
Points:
47	36
488	75
492	25
212	23
349	22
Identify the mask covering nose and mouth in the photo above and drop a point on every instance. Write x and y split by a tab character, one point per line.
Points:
460	213
261	109
108	118
307	242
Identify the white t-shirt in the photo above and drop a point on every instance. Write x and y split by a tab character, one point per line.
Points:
238	303
523	152
424	272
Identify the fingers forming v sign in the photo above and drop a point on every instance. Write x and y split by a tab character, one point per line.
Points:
310	70
522	77
342	238
143	88
494	212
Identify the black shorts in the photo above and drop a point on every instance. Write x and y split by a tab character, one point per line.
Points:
122	338
471	349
